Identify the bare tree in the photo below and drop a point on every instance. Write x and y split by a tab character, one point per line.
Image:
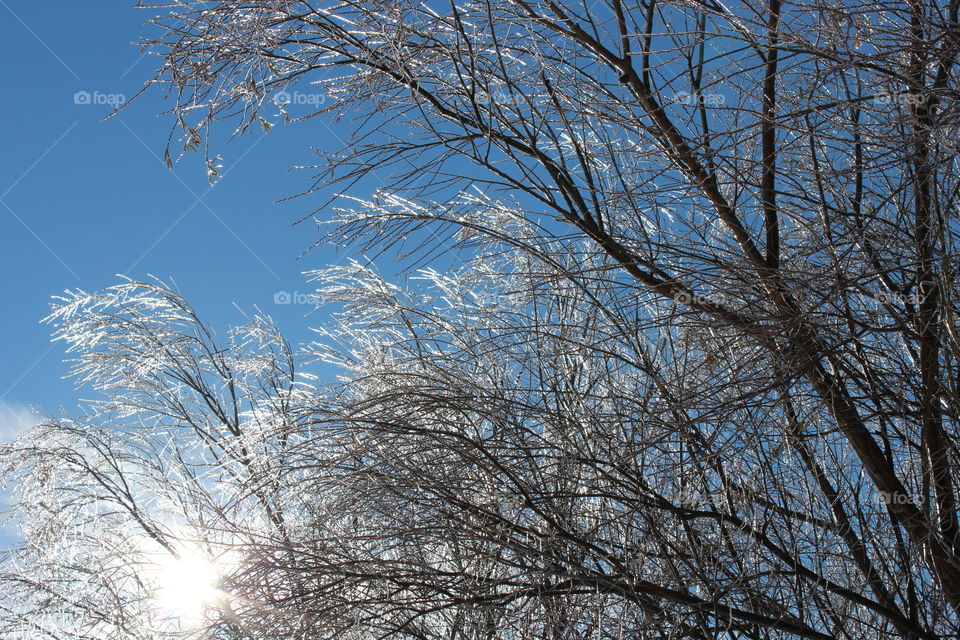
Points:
696	372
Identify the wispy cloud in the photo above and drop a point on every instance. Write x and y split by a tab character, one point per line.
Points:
14	419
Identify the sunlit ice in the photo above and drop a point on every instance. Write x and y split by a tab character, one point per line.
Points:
186	585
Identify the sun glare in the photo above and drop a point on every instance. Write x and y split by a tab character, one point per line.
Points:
187	586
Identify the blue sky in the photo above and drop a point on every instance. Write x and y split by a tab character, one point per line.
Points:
84	200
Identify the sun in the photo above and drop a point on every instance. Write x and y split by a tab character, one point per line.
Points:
187	585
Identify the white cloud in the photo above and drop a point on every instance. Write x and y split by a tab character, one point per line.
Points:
14	418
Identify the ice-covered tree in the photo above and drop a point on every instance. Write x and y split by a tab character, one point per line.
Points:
694	372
